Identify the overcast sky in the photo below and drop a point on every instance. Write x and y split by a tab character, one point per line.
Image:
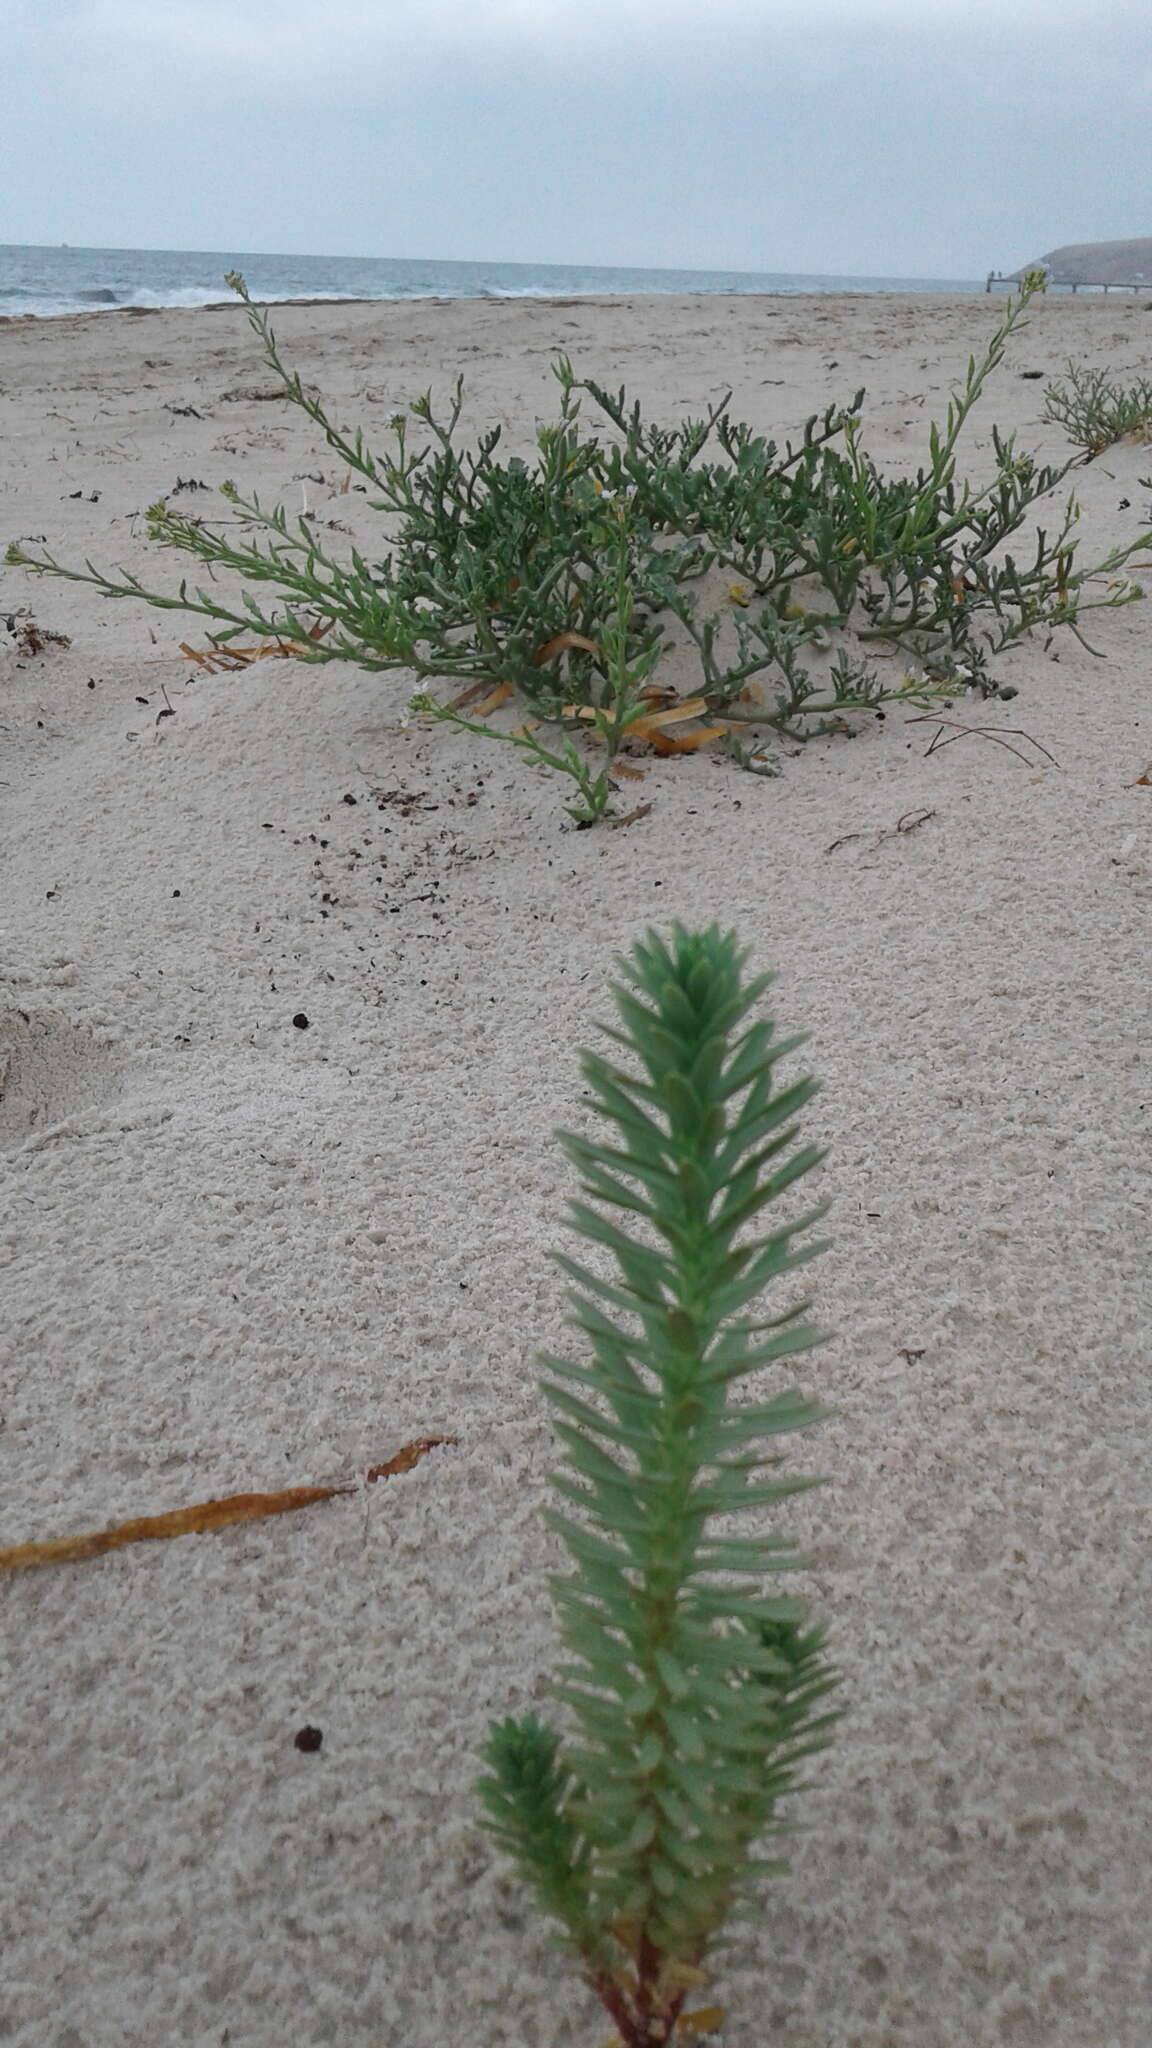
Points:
929	138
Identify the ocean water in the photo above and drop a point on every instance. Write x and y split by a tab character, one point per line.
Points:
56	281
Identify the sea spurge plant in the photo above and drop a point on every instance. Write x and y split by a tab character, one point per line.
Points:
690	1693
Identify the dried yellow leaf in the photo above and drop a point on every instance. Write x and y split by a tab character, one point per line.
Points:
691	707
664	743
560	642
628	1933
470	695
682	1977
494	699
705	2021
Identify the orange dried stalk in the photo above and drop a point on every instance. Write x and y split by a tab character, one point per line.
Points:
206	1516
217	659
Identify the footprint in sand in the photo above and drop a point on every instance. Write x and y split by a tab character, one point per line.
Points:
52	1072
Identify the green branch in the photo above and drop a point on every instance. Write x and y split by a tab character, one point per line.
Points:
511	571
692	1693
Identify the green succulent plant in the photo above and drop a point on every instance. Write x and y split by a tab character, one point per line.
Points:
691	1694
1095	411
558	580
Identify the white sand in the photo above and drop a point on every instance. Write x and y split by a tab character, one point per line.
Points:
237	1255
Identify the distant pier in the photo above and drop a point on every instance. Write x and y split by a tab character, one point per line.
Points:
996	278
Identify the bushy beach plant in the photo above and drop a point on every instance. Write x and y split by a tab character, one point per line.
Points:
561	582
691	1695
619	703
1095	412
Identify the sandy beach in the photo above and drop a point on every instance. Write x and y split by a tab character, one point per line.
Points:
241	1253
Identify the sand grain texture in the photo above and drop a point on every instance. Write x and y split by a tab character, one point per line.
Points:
237	1255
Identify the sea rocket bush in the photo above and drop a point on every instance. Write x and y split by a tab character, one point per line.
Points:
560	583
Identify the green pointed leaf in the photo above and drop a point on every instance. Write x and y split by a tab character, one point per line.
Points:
590	1420
693	1692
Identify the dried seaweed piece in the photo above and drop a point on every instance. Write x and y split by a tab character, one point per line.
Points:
998	734
33	639
910	821
206	1516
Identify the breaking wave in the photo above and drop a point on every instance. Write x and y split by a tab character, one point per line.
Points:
52	283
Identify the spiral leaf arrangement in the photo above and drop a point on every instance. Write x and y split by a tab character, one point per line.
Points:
691	1694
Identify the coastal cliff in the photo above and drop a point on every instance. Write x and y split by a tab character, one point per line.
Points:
1096	263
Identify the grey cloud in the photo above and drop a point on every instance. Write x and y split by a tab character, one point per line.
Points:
301	42
885	137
